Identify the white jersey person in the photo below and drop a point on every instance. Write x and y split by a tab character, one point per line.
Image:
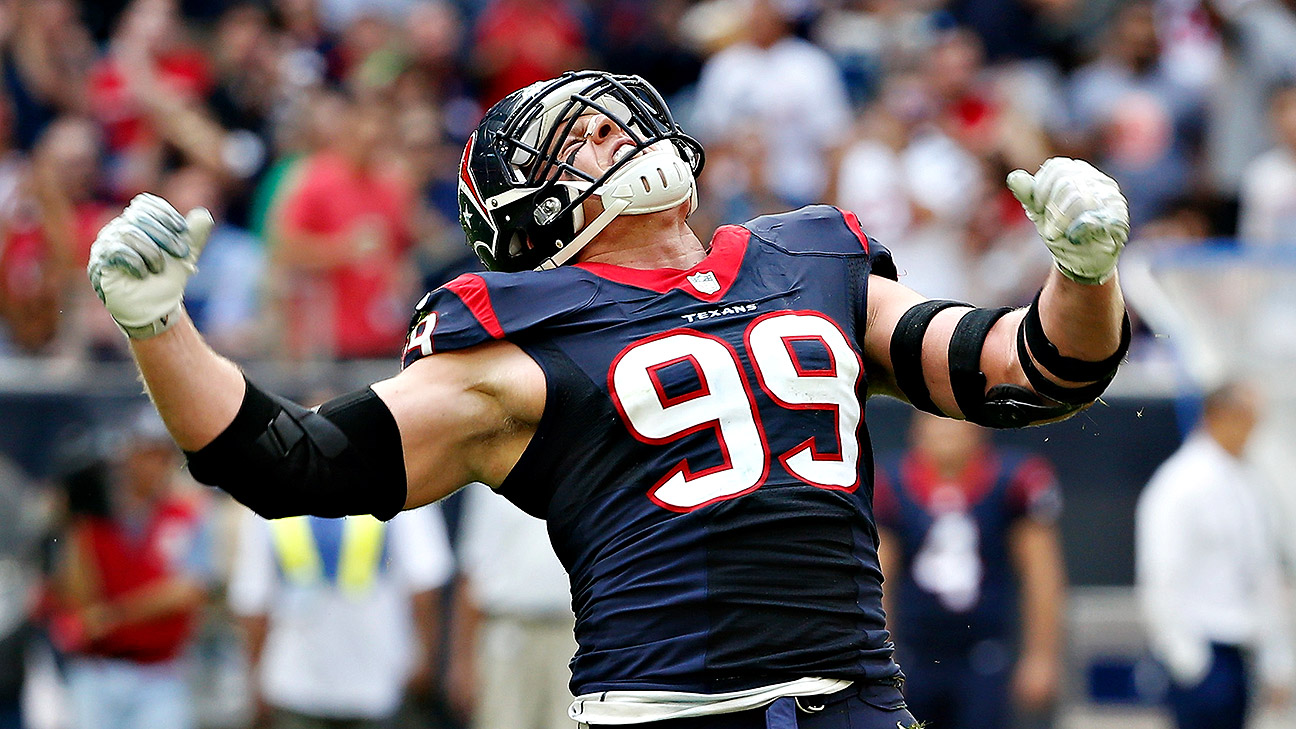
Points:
687	416
1209	573
339	615
513	619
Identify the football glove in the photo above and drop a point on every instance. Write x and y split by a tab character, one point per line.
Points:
1080	213
141	260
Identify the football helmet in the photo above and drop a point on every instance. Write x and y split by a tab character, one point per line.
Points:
520	204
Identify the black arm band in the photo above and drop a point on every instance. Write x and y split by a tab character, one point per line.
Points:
281	459
966	378
1032	341
1069	368
906	352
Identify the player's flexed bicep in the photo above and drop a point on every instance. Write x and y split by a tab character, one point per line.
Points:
463	416
1006	368
443	422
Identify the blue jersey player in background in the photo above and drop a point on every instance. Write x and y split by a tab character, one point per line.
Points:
686	413
975	579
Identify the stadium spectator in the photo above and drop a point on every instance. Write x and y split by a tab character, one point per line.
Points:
46	232
248	93
47	54
366	55
433	167
772	110
1258	56
513	620
340	615
19	530
976	108
912	185
132	575
1139	121
60	212
150	57
921	172
64	186
968	533
1208	573
647	39
435	74
872	39
1267	203
519	42
344	226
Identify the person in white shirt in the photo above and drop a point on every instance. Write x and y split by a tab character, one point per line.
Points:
1208	573
1267	199
785	95
340	614
513	620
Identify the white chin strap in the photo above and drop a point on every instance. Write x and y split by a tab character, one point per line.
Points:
656	180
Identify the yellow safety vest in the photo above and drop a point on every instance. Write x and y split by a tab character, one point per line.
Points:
361	550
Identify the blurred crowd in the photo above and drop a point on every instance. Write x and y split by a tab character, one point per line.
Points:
325	136
132	598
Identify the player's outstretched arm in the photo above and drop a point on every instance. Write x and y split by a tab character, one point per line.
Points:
1004	367
139	265
441	423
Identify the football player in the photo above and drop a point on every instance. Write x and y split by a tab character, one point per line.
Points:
976	586
686	414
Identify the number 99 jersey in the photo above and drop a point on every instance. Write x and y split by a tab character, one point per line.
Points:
702	460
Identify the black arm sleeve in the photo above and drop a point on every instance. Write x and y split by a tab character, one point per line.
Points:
281	459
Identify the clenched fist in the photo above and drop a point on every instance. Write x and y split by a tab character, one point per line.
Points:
141	260
1080	213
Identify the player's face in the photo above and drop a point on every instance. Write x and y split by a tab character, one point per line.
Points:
594	144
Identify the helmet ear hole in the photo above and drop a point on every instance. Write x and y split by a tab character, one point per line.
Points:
518	244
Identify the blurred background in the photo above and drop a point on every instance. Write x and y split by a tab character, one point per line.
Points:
325	136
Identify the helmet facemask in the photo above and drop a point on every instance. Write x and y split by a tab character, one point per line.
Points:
540	205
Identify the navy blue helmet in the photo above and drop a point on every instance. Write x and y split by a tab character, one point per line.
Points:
521	205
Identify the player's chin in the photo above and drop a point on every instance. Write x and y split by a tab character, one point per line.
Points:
658	219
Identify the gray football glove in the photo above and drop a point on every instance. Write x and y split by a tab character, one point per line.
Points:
141	260
1080	213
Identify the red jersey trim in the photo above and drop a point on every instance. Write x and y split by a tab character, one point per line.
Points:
853	223
471	289
728	246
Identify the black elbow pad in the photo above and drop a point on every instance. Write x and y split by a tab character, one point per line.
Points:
281	459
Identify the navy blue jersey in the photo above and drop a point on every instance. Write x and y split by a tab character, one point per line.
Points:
702	460
958	587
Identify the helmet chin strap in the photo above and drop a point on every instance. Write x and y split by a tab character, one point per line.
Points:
657	180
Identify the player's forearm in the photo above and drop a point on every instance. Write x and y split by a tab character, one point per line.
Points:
196	391
1082	321
1043	593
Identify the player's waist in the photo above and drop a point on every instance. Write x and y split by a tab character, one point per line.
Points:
619	708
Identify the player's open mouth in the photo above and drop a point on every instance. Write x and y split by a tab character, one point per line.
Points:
620	152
